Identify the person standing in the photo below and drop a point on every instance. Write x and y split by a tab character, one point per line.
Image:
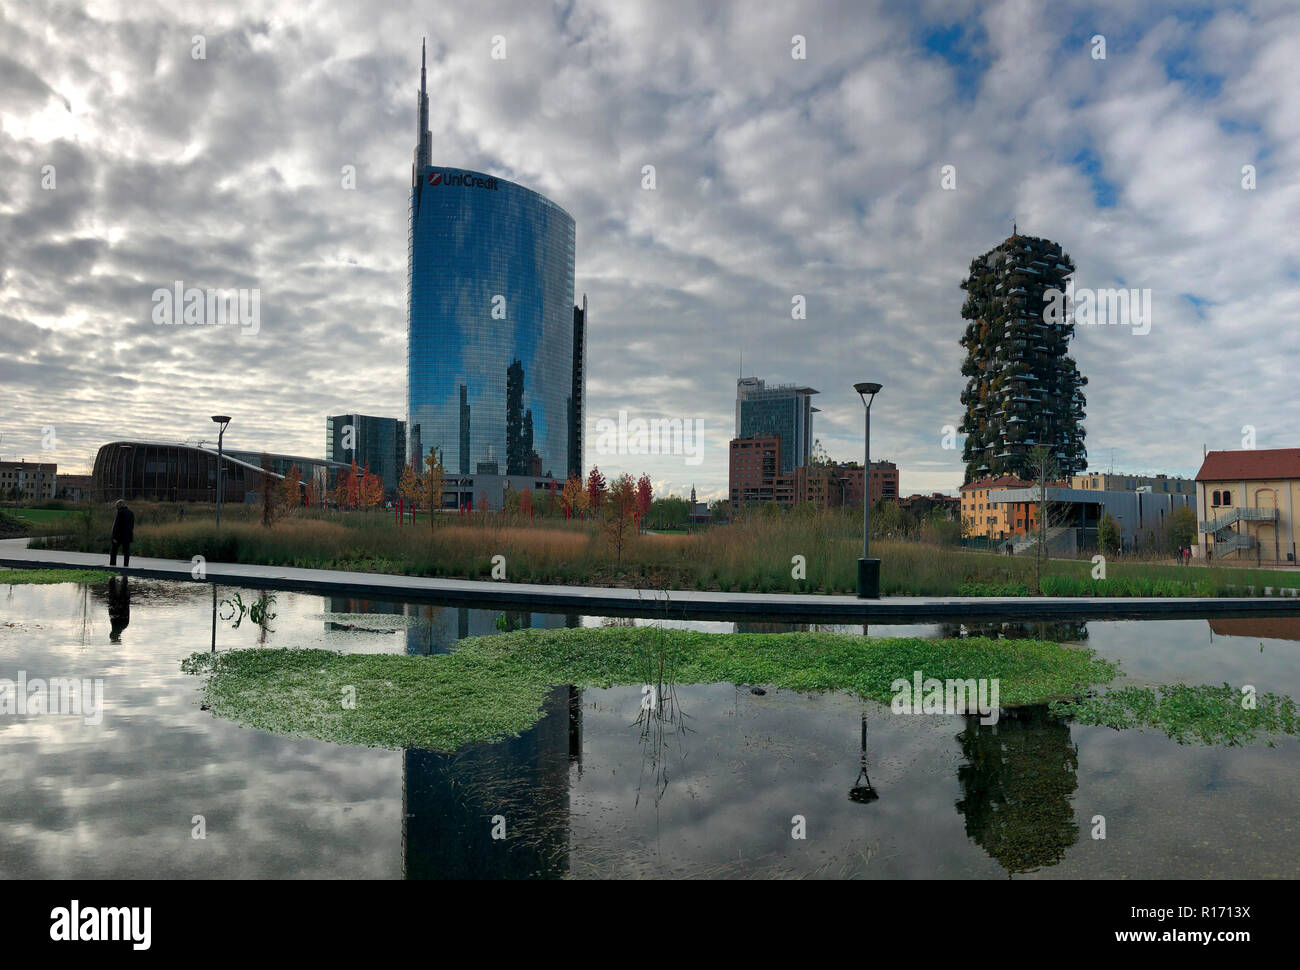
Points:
123	535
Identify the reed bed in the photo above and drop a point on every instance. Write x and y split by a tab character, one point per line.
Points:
789	553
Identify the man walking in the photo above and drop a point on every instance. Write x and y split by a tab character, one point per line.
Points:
123	535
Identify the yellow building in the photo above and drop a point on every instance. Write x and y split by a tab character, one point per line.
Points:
990	519
1248	501
1109	482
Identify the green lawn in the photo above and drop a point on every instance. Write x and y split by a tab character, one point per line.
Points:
44	516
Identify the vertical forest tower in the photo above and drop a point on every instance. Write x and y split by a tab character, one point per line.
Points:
1023	389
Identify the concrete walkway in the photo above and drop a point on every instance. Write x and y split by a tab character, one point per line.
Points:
607	601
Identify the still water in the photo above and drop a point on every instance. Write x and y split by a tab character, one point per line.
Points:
710	788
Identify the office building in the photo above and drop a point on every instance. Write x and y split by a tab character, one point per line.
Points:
496	347
367	440
784	410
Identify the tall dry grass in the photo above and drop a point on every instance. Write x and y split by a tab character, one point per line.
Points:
755	554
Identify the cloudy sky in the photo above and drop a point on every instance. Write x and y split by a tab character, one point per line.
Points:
776	176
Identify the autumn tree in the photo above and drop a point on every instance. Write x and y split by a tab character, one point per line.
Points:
408	486
431	483
644	497
268	488
291	488
312	494
569	496
372	489
342	488
526	503
618	514
595	489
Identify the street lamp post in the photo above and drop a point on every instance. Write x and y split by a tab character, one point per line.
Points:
868	568
221	420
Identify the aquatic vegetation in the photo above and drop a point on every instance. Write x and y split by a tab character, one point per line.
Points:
258	611
15	577
1201	714
491	687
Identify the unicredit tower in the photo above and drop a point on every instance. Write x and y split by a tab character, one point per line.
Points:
495	345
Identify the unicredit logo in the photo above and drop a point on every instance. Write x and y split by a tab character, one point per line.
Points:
462	181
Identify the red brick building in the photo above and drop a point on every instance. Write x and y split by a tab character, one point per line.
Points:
755	478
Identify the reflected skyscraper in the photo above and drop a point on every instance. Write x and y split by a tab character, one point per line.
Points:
1017	783
494	354
452	802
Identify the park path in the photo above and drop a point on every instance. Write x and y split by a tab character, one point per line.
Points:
673	604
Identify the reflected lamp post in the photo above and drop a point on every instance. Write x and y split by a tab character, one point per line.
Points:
221	420
863	792
868	568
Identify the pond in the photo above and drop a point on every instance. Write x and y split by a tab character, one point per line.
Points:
715	785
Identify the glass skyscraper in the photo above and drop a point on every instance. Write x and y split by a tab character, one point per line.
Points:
785	410
371	442
491	322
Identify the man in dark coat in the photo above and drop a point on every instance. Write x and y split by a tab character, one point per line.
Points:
123	535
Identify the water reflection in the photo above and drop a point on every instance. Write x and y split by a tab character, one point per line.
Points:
660	719
1017	784
453	804
863	791
1059	631
119	607
117	799
1263	627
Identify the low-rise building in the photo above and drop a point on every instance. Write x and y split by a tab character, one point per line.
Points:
985	518
1249	500
74	488
1141	516
1112	482
922	505
28	481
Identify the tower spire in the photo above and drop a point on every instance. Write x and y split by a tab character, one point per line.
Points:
422	134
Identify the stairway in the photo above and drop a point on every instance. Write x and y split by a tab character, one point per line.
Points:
1226	539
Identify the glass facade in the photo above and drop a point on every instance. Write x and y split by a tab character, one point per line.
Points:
785	410
490	352
374	442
